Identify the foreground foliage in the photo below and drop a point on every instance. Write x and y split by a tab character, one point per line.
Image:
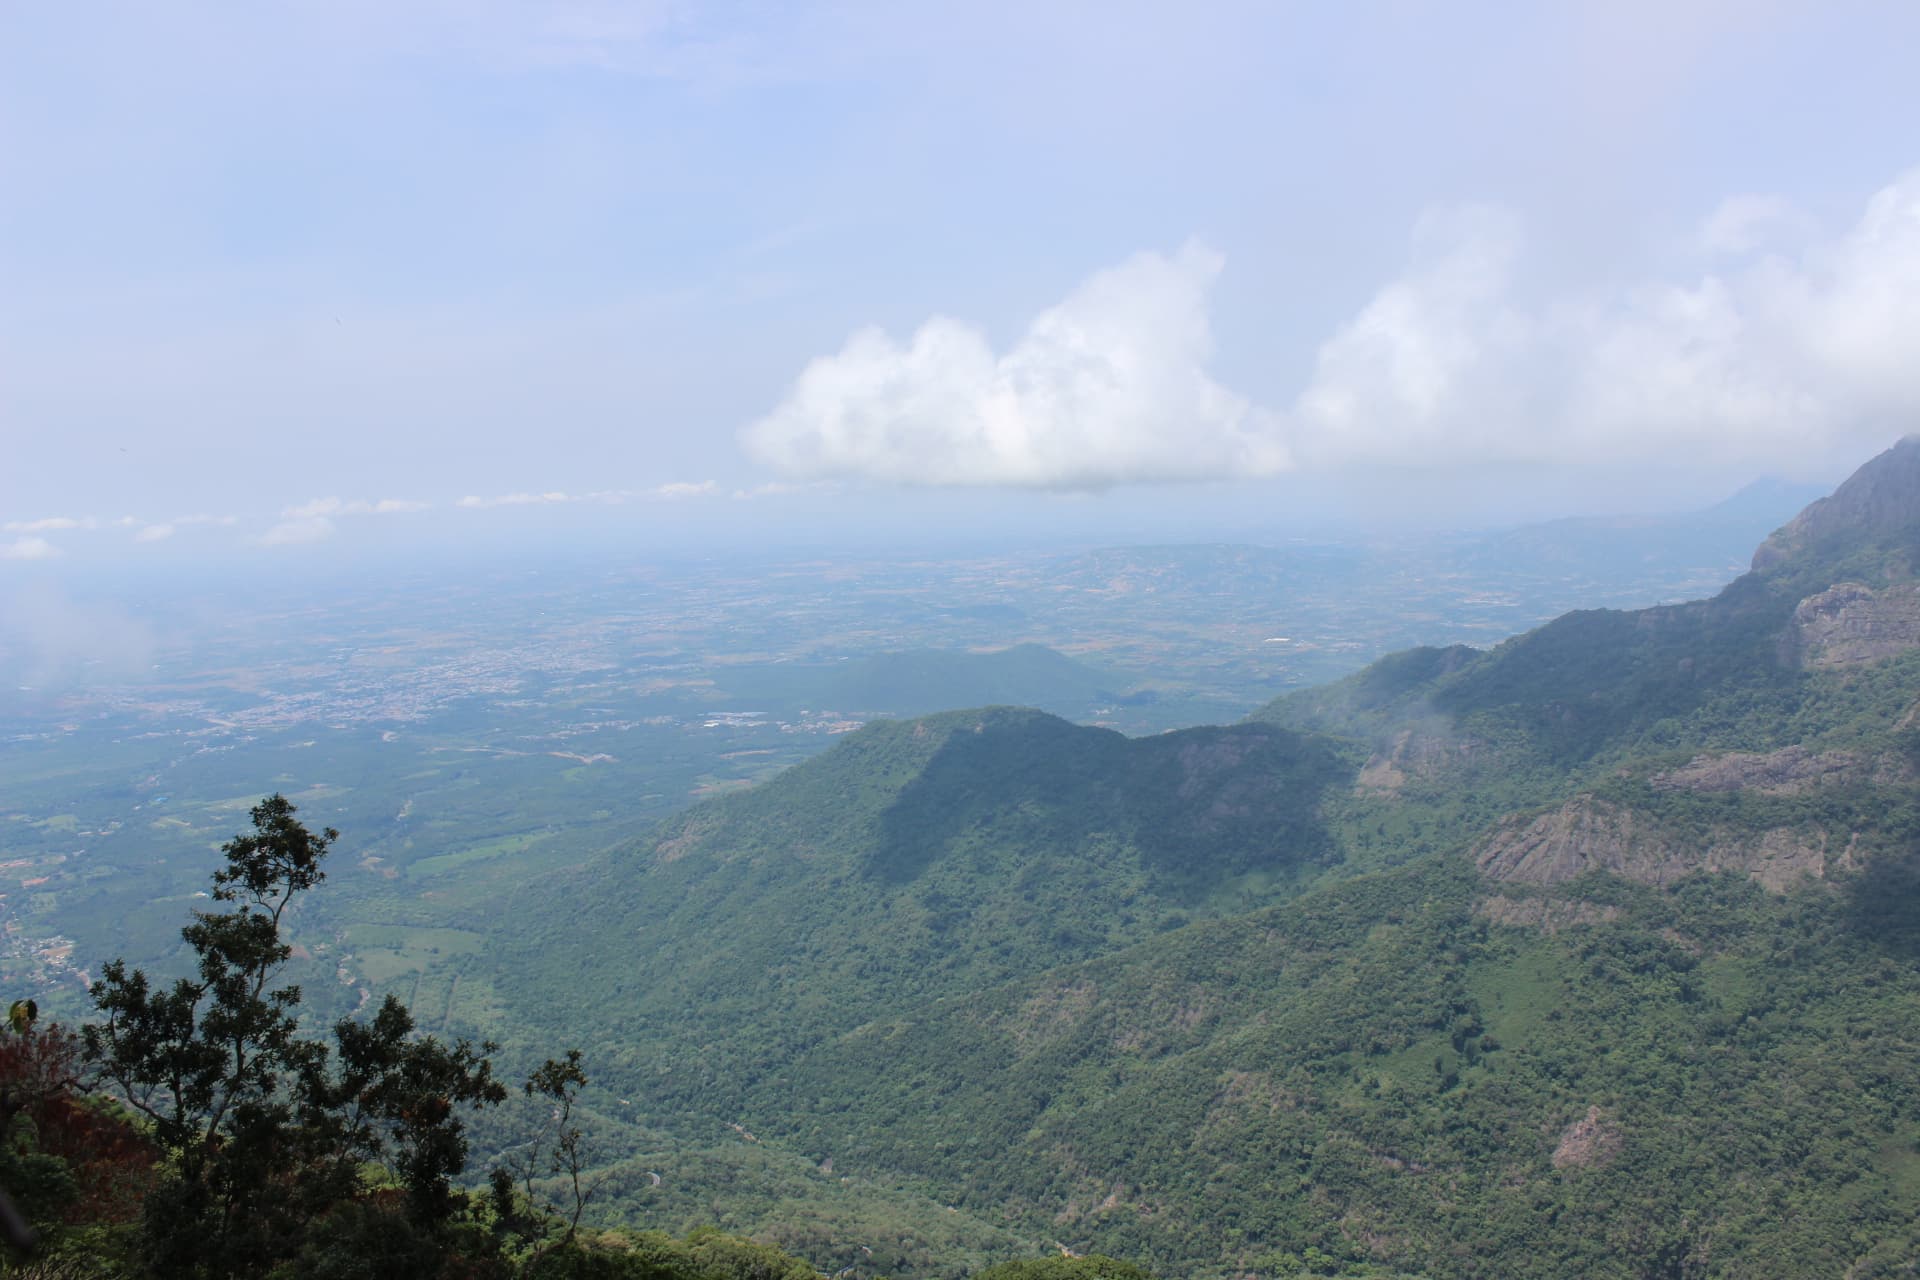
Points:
226	1143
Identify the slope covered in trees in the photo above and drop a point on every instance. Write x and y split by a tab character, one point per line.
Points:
914	862
1592	953
196	1129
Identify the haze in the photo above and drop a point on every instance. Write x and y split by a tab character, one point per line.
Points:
289	280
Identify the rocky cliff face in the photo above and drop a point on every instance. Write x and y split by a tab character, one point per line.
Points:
1790	771
1588	834
1849	624
1412	754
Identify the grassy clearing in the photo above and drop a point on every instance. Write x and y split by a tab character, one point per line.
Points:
385	952
500	846
1516	995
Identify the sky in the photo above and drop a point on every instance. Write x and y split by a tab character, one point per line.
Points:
286	278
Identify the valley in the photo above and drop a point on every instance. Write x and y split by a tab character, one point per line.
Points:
1405	972
481	727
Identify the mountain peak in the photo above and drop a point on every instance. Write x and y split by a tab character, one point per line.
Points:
1877	502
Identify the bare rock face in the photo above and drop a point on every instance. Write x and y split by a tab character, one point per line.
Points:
1586	834
1781	857
1791	771
1580	836
1588	1141
1850	624
1413	753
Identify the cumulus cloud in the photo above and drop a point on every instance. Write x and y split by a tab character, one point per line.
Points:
28	549
1443	334
475	502
1743	224
313	521
161	530
1781	345
50	524
327	507
679	489
1797	346
298	532
1109	386
780	489
672	491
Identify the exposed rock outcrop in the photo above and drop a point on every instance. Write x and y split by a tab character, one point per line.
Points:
1849	624
1586	834
1413	754
1590	1140
1791	771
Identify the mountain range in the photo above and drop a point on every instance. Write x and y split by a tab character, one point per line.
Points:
1593	953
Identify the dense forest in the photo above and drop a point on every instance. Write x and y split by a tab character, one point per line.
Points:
193	1129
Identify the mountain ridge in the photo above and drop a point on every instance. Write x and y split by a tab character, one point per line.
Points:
1593	953
1874	504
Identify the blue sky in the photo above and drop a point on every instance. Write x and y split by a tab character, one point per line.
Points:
286	275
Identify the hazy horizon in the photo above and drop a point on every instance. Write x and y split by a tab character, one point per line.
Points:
301	284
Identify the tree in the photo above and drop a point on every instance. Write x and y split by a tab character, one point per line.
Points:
1091	1267
265	1130
70	1163
558	1149
392	1099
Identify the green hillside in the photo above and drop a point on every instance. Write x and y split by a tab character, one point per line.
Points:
1733	670
1594	953
1712	1081
914	861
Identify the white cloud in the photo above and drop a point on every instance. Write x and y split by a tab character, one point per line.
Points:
1107	387
51	524
314	510
671	491
154	533
202	518
28	549
1784	345
780	489
1443	335
327	507
1743	224
1775	357
473	502
298	531
684	489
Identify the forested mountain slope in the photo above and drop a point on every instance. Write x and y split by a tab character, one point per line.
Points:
913	861
1834	590
1595	953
